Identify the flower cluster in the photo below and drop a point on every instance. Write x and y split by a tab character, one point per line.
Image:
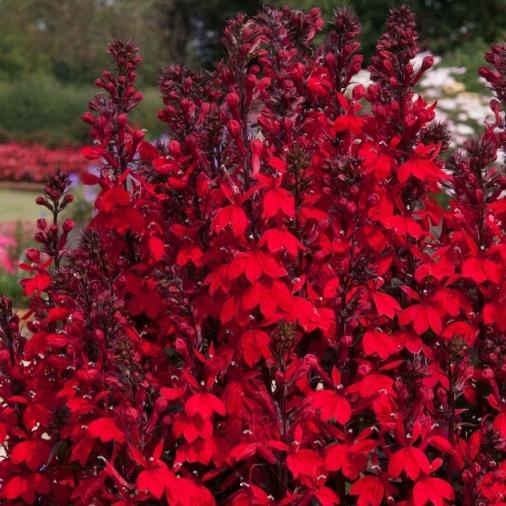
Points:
33	162
294	300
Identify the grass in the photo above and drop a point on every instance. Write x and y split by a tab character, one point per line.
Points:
19	205
469	55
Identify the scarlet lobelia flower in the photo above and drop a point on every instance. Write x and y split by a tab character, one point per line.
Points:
273	306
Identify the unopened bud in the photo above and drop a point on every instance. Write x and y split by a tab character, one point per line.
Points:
427	62
68	225
122	119
4	356
233	100
33	255
87	117
41	224
358	92
487	373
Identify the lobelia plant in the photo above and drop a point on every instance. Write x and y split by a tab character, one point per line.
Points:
273	306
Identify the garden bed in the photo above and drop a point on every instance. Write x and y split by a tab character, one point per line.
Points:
32	163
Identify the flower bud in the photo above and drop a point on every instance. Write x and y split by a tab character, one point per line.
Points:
161	404
233	100
358	92
4	356
427	62
88	117
487	373
122	119
33	255
42	224
68	225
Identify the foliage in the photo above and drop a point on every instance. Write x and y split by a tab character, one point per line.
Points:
39	109
65	39
42	110
10	287
469	56
445	26
270	307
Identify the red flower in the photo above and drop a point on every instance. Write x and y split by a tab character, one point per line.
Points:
272	307
410	460
106	430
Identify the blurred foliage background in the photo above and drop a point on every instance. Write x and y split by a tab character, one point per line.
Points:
52	50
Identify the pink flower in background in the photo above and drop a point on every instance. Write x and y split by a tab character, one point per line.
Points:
6	263
14	238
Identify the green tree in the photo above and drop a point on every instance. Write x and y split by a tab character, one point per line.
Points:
443	24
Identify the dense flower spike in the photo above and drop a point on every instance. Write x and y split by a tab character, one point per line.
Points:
272	306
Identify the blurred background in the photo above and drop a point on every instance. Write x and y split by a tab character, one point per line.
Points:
52	50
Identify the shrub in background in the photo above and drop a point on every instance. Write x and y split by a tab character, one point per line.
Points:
40	109
271	307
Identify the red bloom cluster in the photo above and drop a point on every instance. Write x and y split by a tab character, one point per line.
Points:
273	307
33	162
